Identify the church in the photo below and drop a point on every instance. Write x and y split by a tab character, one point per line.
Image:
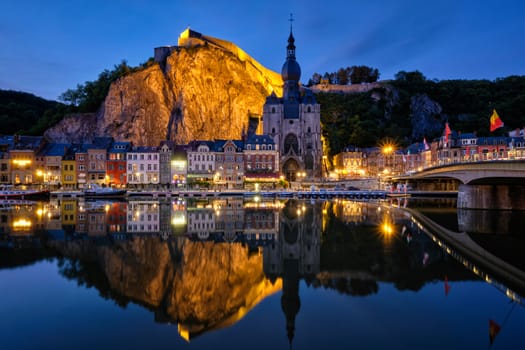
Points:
294	123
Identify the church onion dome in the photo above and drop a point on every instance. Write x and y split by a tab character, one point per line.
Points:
291	70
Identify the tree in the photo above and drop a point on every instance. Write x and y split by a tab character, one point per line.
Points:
363	74
89	96
342	76
316	79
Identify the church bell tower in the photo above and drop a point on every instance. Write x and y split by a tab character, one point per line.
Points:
294	122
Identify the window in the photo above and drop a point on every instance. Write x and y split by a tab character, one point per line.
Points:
291	144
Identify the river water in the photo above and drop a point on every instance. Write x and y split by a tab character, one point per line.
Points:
236	273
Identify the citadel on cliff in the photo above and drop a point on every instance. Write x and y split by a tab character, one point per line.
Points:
293	121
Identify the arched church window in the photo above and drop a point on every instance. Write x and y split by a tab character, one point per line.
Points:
309	109
273	130
309	130
273	109
291	143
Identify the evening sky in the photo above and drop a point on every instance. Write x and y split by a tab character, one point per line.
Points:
50	46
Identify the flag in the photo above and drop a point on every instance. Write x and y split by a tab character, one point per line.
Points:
494	329
427	147
495	121
447	132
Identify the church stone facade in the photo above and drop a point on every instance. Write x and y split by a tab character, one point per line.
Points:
294	123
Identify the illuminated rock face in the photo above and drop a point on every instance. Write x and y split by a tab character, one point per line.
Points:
202	91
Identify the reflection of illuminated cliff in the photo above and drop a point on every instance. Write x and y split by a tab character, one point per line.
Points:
295	254
199	285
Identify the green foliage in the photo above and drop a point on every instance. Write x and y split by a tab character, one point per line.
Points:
351	119
363	121
24	113
468	104
88	97
344	76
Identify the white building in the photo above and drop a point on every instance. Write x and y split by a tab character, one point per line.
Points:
143	166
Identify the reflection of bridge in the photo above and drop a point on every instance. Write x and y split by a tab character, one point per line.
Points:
480	261
482	185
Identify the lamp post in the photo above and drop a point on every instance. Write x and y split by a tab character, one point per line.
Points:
387	151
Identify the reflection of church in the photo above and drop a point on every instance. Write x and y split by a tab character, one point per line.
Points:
294	255
294	122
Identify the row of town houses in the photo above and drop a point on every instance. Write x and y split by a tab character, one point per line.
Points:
218	164
31	160
455	148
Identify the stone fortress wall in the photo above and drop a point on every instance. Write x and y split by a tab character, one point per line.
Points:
191	38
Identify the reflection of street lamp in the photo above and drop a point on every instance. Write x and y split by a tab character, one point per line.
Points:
300	177
40	175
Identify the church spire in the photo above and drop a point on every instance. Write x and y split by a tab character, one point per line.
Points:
291	72
290	49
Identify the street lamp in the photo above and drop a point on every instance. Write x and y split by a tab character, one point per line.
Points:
388	149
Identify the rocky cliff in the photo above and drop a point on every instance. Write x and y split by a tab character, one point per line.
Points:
204	89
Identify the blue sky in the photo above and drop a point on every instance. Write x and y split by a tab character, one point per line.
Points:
50	46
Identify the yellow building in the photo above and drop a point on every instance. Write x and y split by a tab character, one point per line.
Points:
69	172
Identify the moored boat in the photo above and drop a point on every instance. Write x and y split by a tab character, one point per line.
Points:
96	191
10	192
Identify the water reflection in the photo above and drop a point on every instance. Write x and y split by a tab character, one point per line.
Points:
203	264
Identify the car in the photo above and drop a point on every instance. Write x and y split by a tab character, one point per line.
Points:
352	188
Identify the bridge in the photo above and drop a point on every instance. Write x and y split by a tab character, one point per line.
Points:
482	172
496	184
